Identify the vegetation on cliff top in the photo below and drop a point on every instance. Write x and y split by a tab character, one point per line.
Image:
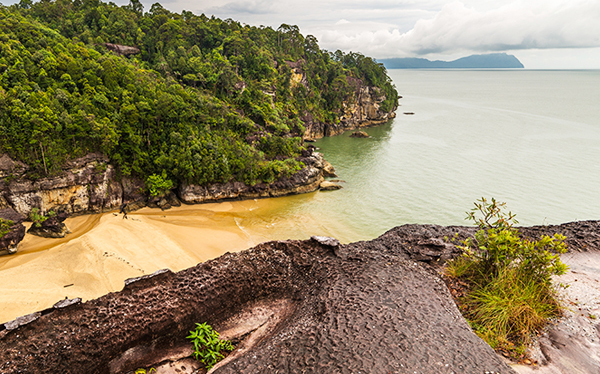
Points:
508	279
206	100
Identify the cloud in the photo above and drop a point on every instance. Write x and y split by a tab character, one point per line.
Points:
243	7
457	27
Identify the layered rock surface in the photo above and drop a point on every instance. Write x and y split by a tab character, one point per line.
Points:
291	306
306	180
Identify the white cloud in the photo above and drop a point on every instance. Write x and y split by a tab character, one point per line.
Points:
441	29
457	28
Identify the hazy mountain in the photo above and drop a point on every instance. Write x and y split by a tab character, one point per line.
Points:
488	61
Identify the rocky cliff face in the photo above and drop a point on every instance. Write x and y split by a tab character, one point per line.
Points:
362	109
306	180
90	185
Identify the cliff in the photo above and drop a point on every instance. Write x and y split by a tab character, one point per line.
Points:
362	108
290	306
91	185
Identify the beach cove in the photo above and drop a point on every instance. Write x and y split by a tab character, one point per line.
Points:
104	249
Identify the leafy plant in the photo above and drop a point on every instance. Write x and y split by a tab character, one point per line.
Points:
5	225
144	371
36	217
158	185
207	345
509	278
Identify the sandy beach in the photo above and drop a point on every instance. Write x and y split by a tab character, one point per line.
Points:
104	249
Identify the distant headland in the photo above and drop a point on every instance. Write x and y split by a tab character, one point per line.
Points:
487	61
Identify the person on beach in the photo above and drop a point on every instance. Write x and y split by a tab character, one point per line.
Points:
123	206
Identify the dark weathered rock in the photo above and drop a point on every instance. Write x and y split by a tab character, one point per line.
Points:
10	241
52	227
292	306
359	134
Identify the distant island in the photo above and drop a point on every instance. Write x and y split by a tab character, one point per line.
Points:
487	61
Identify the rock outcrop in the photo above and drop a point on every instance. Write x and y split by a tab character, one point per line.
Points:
11	239
359	134
306	180
290	306
52	227
122	50
362	109
90	185
329	186
87	185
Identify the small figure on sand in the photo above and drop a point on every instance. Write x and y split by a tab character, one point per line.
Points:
123	206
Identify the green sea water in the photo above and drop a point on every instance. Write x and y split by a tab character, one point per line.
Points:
529	138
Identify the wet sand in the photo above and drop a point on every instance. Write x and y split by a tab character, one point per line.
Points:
103	250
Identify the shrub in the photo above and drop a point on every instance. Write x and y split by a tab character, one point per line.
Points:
5	225
158	185
509	279
207	345
36	217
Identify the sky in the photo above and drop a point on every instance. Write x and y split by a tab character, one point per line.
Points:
543	34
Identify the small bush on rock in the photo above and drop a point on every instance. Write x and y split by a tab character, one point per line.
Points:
5	226
208	347
509	295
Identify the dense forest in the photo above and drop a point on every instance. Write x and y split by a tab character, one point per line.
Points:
205	100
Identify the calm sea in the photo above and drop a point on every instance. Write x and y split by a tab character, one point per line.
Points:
528	138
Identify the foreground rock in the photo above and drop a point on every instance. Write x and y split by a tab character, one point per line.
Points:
16	231
52	227
292	306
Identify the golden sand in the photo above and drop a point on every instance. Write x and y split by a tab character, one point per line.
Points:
104	249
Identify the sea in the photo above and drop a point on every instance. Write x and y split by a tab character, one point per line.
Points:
529	138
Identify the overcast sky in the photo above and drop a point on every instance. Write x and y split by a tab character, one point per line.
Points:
543	34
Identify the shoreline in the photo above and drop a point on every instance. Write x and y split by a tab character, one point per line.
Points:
104	249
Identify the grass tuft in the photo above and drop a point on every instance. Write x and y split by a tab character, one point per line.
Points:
508	280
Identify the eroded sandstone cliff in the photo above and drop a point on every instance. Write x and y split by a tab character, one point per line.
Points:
361	109
91	185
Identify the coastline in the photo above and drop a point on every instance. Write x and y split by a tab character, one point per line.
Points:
104	249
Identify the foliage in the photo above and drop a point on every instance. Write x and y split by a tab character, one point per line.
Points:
509	278
5	226
144	371
158	185
207	345
191	102
36	217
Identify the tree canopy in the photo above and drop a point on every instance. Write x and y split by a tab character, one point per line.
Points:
206	100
